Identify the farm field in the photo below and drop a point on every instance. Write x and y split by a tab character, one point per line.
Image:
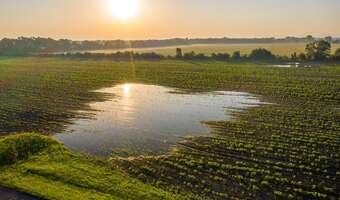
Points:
169	100
282	49
288	148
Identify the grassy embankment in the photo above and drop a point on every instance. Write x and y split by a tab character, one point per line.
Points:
289	149
42	167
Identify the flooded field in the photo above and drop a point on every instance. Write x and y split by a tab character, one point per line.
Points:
7	194
148	119
295	64
288	149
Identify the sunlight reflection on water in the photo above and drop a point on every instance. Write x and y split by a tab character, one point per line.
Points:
149	118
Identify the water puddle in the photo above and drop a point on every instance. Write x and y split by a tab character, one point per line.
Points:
147	119
293	64
7	194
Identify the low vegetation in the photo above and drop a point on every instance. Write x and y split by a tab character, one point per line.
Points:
38	45
276	152
288	149
42	167
315	51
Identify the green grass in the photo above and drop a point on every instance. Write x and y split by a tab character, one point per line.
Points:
53	172
288	149
282	49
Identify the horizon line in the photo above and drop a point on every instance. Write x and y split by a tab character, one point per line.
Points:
173	38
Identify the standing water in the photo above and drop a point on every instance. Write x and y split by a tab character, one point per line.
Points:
149	119
7	194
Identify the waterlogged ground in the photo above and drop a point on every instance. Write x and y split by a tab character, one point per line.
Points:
146	119
6	194
295	64
285	150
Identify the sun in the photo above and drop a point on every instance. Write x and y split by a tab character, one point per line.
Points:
124	9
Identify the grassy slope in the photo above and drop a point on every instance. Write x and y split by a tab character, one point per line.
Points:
285	150
52	172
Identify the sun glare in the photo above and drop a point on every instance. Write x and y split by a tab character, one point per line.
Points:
124	9
126	89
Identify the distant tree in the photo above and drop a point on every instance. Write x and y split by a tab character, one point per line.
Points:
302	56
337	54
318	50
179	53
294	56
244	57
220	56
201	56
119	56
284	58
236	55
329	39
193	56
261	54
309	38
189	55
150	56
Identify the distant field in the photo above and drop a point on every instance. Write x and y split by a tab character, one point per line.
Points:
276	48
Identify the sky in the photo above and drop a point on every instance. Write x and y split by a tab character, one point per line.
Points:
159	19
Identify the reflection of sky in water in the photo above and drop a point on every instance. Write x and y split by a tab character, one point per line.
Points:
147	117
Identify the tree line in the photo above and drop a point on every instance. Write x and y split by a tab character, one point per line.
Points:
38	45
317	50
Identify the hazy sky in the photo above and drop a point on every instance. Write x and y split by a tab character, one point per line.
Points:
93	19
